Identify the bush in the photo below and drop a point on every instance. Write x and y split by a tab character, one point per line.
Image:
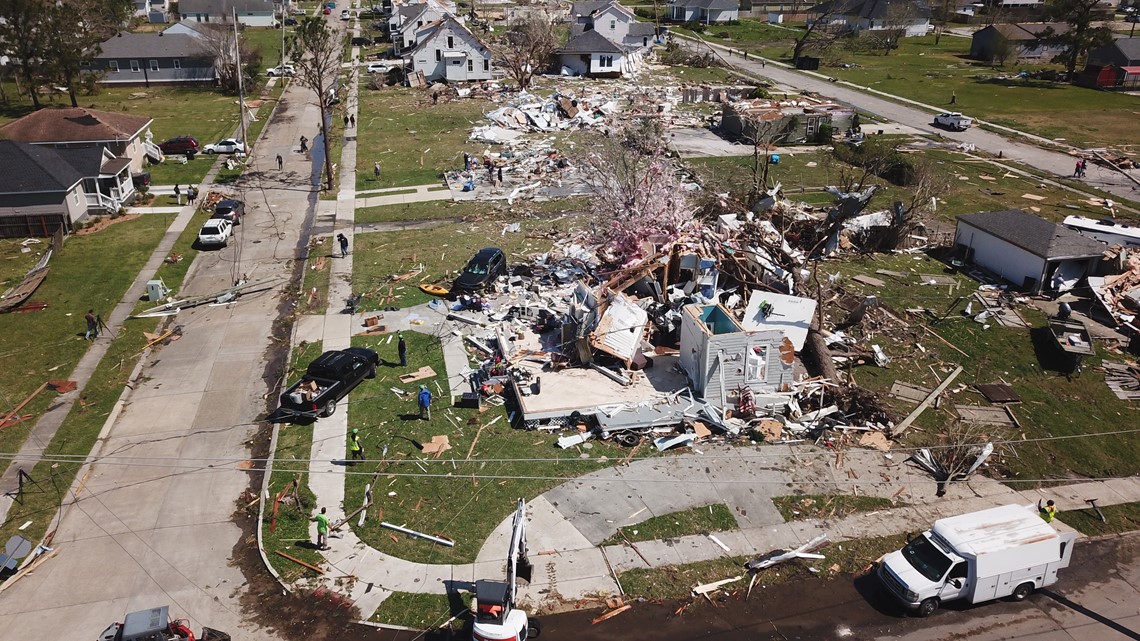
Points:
823	134
881	158
698	27
723	35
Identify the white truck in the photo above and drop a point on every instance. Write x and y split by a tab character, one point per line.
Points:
954	120
981	556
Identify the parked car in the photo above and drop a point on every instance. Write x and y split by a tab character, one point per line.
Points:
290	22
327	380
215	231
953	120
229	209
330	5
346	15
179	145
379	67
300	12
327	11
487	265
227	146
361	42
280	70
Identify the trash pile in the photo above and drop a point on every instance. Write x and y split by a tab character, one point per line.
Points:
1119	294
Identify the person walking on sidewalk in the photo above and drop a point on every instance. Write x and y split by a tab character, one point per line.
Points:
92	325
280	162
342	240
424	398
355	446
402	350
1047	511
304	144
352	121
322	520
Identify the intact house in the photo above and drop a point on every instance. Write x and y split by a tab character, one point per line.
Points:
613	21
449	51
43	188
912	17
407	20
166	58
1033	254
987	43
251	13
1114	66
154	11
1122	52
108	148
592	54
704	11
720	356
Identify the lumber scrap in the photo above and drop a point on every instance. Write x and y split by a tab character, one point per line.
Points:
611	614
424	372
10	415
28	569
902	427
300	562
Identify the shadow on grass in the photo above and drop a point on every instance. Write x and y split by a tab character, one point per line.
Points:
1022	82
1048	353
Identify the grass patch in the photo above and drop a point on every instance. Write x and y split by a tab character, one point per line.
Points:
414	140
698	520
1124	517
843	558
440	496
318	274
442	250
423	210
422	611
827	506
173	274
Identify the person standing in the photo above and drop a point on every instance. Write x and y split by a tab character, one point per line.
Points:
424	398
343	241
322	520
352	121
402	350
177	194
304	144
953	97
1047	511
280	162
1077	170
92	326
192	194
376	170
355	446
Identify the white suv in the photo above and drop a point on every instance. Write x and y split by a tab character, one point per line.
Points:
379	67
216	231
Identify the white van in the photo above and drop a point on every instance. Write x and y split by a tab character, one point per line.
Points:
1002	551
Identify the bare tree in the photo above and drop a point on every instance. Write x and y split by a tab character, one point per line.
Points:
526	48
316	57
927	181
636	192
897	17
1004	51
942	13
225	50
819	35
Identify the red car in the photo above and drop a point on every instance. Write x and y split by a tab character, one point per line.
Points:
327	11
179	145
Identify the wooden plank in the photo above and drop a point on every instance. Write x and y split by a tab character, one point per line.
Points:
418	375
31	567
300	562
10	415
909	392
868	280
983	415
902	427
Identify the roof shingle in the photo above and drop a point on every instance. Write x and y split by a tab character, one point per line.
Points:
74	125
28	168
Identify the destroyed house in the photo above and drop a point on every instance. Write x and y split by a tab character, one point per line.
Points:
720	357
1032	253
749	120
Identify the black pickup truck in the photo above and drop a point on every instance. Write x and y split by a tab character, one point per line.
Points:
327	380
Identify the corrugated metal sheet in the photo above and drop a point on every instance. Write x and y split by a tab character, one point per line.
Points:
620	330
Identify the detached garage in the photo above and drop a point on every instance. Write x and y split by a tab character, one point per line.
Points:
1033	254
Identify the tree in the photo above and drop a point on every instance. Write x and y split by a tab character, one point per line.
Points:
941	15
23	28
525	48
897	17
316	57
818	35
636	193
1004	51
1082	34
225	50
77	29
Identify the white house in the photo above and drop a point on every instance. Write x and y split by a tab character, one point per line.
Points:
592	54
613	21
252	13
1030	252
449	51
155	11
704	11
720	356
913	16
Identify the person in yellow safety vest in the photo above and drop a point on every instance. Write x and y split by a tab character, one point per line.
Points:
1047	511
354	445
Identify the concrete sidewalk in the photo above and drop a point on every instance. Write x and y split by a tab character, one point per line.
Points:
398	195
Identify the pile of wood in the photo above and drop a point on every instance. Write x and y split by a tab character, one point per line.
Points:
1123	380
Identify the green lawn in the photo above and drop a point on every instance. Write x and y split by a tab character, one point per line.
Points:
698	520
423	611
414	140
439	496
1124	517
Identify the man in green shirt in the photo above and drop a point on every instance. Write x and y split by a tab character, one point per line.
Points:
355	446
322	529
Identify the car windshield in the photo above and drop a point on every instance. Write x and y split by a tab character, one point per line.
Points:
925	557
476	267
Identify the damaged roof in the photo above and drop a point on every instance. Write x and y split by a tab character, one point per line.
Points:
1034	234
591	42
74	125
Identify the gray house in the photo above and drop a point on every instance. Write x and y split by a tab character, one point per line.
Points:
987	42
251	13
719	356
39	191
911	16
1123	52
704	11
154	58
1032	253
592	54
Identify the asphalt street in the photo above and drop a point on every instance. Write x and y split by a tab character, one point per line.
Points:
1052	162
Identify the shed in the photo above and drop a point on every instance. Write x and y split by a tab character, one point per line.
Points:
1032	253
719	355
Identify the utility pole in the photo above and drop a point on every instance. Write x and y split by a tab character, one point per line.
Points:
240	84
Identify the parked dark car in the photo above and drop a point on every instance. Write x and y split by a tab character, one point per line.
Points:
481	271
327	380
179	145
361	42
231	210
141	180
290	22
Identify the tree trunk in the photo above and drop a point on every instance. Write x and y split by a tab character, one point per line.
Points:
818	353
69	80
31	87
325	142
